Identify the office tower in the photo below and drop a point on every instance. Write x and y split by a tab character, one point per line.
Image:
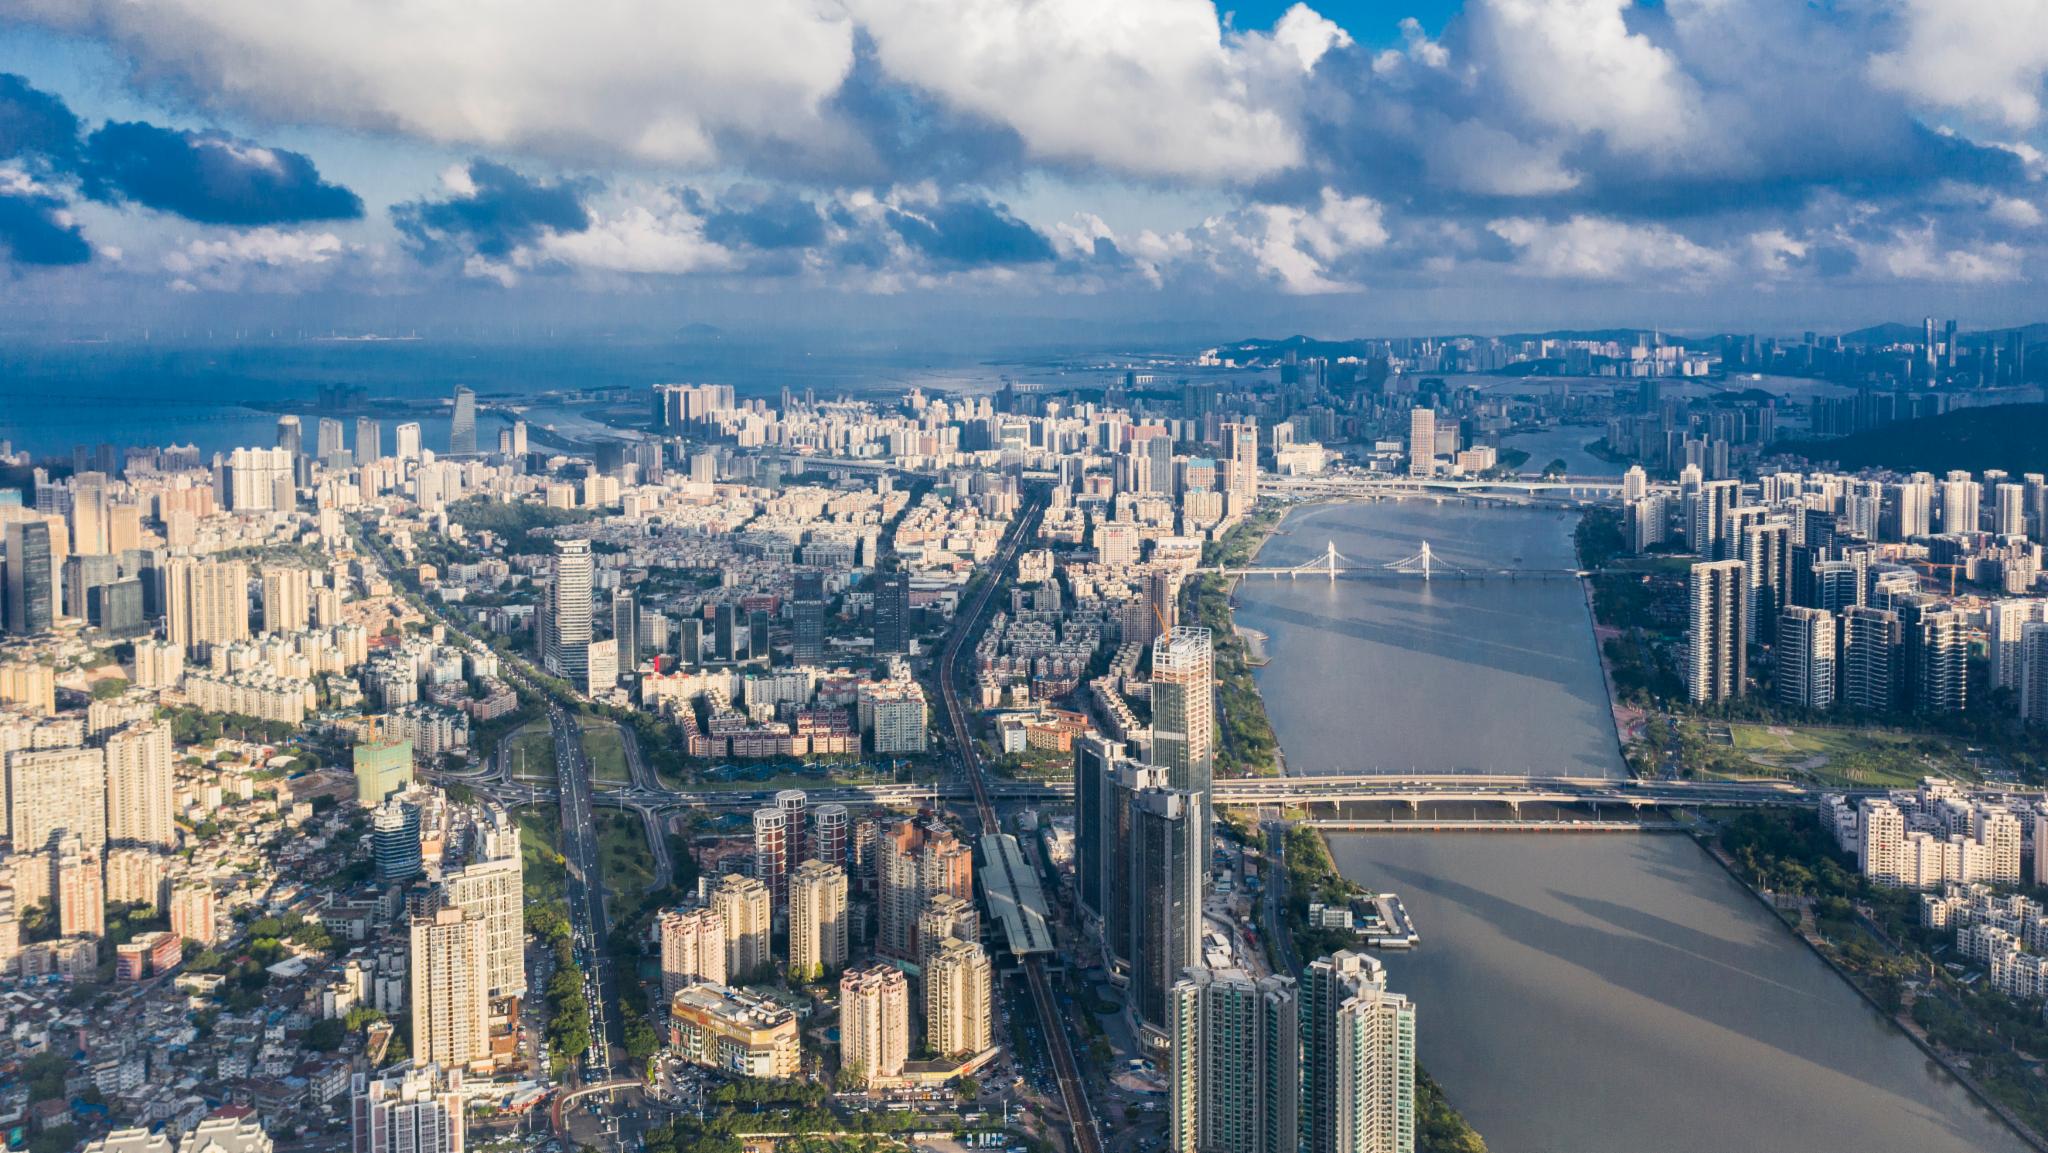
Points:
656	636
2011	511
1157	458
747	909
116	608
1421	441
80	883
725	638
395	841
291	435
807	619
1233	1064
140	788
1960	499
1119	914
601	666
1870	676
1707	528
31	580
1357	1059
1914	505
329	440
829	825
1940	644
369	440
409	446
124	529
1767	564
874	1024
1717	638
450	1002
462	426
626	628
817	920
1094	762
690	641
1241	458
692	949
771	851
957	999
1804	658
381	769
919	859
892	612
54	791
518	438
88	521
1184	710
491	888
2033	685
1167	866
206	603
414	1108
757	636
85	575
287	599
568	640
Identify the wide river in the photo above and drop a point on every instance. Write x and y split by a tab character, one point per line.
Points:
1576	993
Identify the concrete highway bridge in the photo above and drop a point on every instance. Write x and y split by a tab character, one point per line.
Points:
1318	794
1563	489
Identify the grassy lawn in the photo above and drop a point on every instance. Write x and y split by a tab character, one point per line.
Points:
1867	758
607	752
533	751
627	862
539	829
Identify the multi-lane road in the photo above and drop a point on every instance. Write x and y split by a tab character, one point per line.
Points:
587	917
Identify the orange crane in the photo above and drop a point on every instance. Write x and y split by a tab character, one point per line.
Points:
1953	569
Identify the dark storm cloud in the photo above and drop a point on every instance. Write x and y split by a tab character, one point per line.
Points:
506	211
907	135
210	177
32	232
36	123
767	219
971	232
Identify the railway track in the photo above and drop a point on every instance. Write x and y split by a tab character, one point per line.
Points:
1087	1133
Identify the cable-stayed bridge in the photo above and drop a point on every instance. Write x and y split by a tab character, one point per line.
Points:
1423	563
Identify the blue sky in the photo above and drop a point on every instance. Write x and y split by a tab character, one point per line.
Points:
1147	165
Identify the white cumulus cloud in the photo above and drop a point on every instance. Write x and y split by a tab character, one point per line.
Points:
1599	248
1983	57
656	80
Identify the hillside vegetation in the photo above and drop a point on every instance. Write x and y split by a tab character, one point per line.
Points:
2013	437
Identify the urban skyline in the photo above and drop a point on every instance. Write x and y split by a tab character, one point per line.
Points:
1040	576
